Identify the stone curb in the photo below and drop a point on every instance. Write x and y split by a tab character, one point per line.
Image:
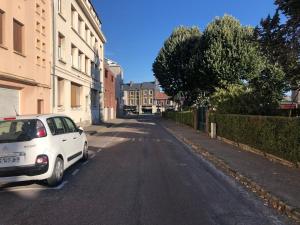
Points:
270	200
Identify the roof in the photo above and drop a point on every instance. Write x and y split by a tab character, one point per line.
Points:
161	96
139	86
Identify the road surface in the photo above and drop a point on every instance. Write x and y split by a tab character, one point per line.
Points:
138	174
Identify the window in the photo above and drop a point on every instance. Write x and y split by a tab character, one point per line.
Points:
94	98
40	106
145	101
38	44
92	67
38	60
1	27
80	26
132	93
18	36
59	126
131	102
73	16
71	128
51	125
60	92
75	95
38	8
73	59
59	6
150	101
86	33
61	42
38	26
168	102
87	62
151	92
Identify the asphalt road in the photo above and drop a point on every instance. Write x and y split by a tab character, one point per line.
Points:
138	174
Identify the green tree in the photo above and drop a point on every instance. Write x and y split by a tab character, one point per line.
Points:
229	53
174	67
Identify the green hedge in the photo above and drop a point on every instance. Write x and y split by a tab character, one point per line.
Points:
279	136
186	117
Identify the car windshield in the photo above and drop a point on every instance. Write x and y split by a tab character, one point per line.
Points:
17	130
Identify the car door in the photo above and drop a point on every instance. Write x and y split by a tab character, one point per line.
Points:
62	137
75	138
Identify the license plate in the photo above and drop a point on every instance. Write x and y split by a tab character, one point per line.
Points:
9	160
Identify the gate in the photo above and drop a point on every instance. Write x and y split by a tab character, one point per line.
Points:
202	118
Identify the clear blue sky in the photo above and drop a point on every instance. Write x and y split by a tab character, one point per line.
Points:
136	29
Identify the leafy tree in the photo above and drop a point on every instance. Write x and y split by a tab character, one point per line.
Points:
229	53
278	47
174	66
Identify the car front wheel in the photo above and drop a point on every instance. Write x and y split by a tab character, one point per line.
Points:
57	174
85	155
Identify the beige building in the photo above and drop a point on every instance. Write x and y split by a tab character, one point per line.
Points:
78	63
25	37
139	97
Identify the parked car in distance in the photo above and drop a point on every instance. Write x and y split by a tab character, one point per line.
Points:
39	147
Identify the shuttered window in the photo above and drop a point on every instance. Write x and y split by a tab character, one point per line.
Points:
1	27
75	95
18	36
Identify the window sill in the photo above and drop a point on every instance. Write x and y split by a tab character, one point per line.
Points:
62	60
20	54
62	17
4	47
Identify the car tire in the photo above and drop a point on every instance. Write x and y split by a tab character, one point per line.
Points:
57	174
85	154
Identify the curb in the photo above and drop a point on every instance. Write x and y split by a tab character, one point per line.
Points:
271	200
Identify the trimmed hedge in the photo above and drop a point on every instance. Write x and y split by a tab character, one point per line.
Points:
186	117
279	136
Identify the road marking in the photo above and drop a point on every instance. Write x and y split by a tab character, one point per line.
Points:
99	150
86	162
75	172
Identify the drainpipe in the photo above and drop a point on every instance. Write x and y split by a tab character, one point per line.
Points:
53	53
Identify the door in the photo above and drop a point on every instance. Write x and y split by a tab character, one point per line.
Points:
62	138
9	102
75	139
40	106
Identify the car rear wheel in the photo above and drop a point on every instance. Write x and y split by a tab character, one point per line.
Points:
85	155
57	174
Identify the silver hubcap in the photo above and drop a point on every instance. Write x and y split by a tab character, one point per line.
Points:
59	170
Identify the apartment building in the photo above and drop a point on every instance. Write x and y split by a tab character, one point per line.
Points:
25	52
78	61
110	101
117	70
139	97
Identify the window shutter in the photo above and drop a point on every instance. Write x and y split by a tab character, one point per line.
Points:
17	36
1	28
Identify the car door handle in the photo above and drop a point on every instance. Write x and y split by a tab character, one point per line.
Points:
64	140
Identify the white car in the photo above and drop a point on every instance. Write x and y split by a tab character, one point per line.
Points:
39	147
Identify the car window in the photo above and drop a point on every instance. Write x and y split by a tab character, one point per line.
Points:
59	126
17	130
51	125
70	125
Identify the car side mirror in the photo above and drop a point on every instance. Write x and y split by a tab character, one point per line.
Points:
80	130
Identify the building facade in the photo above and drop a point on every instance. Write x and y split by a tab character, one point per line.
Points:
117	70
163	102
110	101
139	97
25	53
78	61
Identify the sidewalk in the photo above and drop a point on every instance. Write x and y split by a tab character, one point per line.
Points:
277	184
93	129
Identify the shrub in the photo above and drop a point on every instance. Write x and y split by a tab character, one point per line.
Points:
279	136
186	117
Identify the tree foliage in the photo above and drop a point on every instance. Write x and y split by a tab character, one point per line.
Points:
174	66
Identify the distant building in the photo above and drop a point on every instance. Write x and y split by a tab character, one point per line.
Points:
25	53
110	102
163	102
139	97
117	70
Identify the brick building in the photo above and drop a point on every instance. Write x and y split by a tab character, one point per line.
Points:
110	102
